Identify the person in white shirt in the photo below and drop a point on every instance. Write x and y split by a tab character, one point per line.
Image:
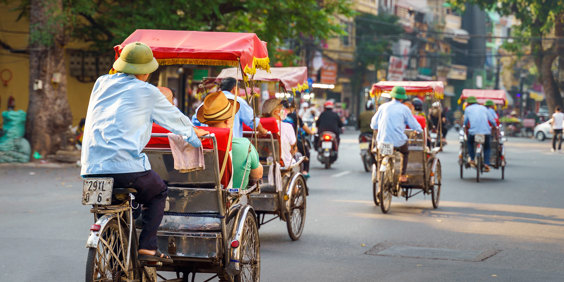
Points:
556	121
274	108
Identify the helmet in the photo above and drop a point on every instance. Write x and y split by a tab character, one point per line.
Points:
369	105
489	103
398	92
471	100
436	104
417	104
329	104
136	58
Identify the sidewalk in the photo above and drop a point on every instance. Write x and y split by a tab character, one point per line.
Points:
38	164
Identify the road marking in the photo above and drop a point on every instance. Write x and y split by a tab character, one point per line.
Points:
341	173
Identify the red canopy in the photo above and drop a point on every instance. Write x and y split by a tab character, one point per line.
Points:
171	47
292	78
497	96
417	88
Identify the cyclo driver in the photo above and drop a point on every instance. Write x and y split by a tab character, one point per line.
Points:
477	120
390	121
121	111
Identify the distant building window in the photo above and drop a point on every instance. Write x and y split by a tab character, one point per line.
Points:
346	39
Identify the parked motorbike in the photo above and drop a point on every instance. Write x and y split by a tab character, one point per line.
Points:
364	142
327	148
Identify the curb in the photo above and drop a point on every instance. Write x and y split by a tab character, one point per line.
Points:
38	165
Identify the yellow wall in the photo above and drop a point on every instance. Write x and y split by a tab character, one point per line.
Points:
16	35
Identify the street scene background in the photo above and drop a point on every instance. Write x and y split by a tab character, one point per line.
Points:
495	230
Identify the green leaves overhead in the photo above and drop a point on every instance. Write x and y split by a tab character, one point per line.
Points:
374	38
106	23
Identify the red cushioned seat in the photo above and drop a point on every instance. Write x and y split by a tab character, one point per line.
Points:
222	139
270	124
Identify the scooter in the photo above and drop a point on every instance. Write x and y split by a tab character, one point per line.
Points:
364	142
327	148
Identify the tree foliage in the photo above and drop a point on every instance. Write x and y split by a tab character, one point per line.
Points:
374	37
106	23
539	19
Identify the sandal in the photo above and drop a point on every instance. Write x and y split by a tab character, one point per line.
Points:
157	257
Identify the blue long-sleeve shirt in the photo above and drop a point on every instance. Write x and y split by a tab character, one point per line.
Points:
244	115
492	113
390	121
118	124
479	119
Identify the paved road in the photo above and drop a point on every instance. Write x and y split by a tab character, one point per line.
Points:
496	230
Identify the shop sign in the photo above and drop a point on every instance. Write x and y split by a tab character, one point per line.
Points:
457	72
329	72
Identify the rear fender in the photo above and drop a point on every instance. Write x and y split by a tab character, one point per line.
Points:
94	236
234	264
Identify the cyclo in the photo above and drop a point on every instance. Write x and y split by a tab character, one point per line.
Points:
207	227
497	155
424	167
283	191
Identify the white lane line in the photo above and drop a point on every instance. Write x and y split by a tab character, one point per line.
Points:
341	173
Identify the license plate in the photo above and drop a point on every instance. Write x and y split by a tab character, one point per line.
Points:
326	145
97	191
363	146
386	149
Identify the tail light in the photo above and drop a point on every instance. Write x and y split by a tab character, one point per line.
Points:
363	139
327	137
95	227
234	244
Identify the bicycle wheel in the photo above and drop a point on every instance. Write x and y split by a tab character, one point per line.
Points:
295	219
107	262
385	195
250	252
436	188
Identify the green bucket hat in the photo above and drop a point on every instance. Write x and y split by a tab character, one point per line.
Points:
398	92
472	100
489	103
136	58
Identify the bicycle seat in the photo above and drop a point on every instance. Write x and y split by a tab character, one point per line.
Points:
124	191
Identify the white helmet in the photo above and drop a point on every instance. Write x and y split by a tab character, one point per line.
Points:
437	104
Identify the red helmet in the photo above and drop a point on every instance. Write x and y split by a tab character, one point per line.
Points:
329	105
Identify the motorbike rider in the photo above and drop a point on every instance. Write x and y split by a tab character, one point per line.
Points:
121	111
390	121
365	117
477	120
437	119
328	120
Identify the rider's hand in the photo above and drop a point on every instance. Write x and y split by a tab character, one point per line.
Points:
200	132
262	131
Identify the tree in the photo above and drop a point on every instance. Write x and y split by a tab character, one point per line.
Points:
48	114
374	38
539	19
105	23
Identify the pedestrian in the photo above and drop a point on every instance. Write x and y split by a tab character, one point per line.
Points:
556	122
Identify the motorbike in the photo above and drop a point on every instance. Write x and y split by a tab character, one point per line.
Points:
364	142
327	148
435	138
